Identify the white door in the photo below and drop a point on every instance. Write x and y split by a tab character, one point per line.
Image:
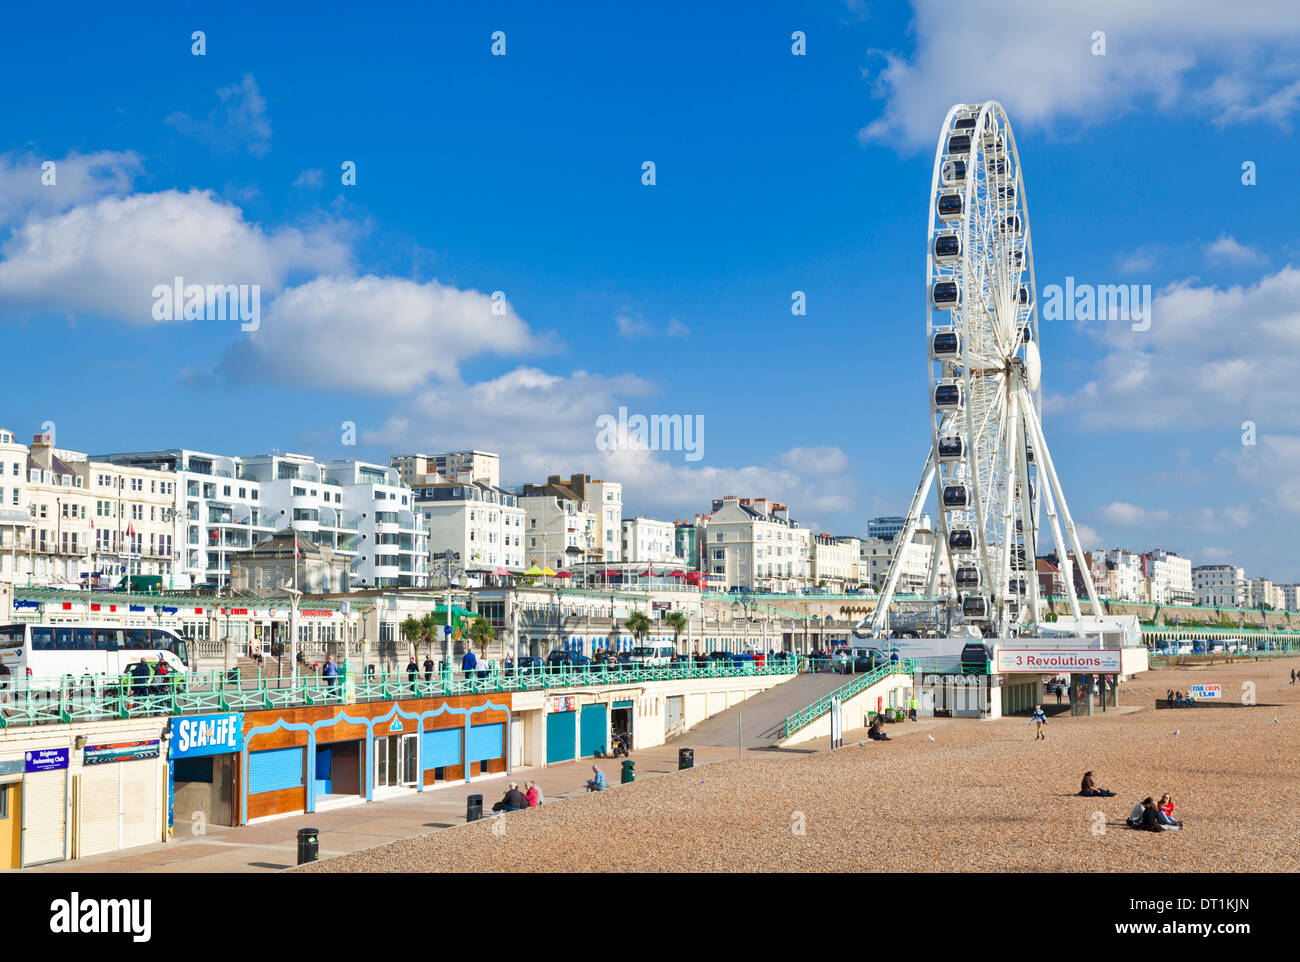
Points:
140	817
45	816
407	768
516	743
101	802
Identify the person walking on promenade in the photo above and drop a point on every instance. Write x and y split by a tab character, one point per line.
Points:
911	708
1060	690
598	783
428	667
412	670
1293	676
469	662
1040	722
330	671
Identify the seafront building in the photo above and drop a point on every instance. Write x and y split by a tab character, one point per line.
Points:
1220	586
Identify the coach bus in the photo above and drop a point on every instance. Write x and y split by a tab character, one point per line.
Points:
87	647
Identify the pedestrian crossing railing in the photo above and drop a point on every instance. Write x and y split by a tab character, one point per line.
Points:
806	716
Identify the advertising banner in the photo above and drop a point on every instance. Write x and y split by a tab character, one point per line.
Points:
120	752
195	735
1074	661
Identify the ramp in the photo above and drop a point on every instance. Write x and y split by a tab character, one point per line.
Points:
762	717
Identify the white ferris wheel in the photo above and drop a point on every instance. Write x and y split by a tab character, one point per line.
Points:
987	448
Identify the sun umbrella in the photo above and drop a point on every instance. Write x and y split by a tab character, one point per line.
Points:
534	570
563	574
548	572
676	574
501	571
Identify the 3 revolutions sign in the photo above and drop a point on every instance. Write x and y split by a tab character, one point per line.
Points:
1077	661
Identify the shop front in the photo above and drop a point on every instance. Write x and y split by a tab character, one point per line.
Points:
305	759
204	755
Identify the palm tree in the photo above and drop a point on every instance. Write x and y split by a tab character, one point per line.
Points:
412	631
676	620
430	628
638	624
481	634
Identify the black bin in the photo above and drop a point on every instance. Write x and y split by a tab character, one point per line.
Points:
308	845
473	808
685	758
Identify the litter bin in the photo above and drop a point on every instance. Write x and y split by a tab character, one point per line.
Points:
685	758
308	845
474	808
629	775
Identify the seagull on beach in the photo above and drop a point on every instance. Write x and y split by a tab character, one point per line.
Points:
1176	731
929	736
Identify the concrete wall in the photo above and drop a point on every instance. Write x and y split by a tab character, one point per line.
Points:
894	689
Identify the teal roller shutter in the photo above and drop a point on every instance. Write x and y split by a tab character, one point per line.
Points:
486	741
274	770
561	727
442	748
324	771
594	728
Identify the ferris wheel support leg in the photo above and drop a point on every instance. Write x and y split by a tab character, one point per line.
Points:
1069	522
904	538
1062	555
1029	522
1008	521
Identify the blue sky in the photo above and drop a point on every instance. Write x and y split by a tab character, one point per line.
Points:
774	173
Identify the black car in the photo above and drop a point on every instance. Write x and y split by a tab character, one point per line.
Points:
529	664
561	658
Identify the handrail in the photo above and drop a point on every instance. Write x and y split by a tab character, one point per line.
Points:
47	701
806	716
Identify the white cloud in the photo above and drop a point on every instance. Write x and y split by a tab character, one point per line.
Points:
1228	250
636	327
379	334
547	424
1214	555
1200	57
312	177
104	258
1088	537
1228	352
240	121
77	179
1130	515
1141	261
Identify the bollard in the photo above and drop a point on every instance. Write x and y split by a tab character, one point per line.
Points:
629	773
685	758
308	845
474	808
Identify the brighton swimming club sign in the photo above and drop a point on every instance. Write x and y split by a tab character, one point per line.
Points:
1077	661
195	735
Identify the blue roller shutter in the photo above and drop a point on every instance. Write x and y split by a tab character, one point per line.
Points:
442	748
274	770
594	728
561	727
486	741
324	771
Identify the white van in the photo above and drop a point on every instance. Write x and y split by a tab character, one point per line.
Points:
657	656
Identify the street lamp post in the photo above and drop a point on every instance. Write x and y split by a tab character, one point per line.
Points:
294	597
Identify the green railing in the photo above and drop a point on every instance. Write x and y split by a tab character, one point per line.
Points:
36	701
806	716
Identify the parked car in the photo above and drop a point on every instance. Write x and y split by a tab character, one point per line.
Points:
561	658
529	664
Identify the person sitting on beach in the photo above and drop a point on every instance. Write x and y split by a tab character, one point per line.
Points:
1089	788
1165	811
1151	817
1134	819
596	784
877	730
1169	698
514	800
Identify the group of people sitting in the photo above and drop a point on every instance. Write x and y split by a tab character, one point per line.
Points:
1176	699
515	800
1152	817
877	730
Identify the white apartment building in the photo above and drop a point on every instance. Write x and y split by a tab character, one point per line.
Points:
1262	593
1171	578
16	523
485	524
464	467
217	511
836	562
649	541
877	554
1220	586
1124	578
754	544
601	500
558	531
1289	600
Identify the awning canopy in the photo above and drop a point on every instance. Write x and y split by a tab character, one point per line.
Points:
16	516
